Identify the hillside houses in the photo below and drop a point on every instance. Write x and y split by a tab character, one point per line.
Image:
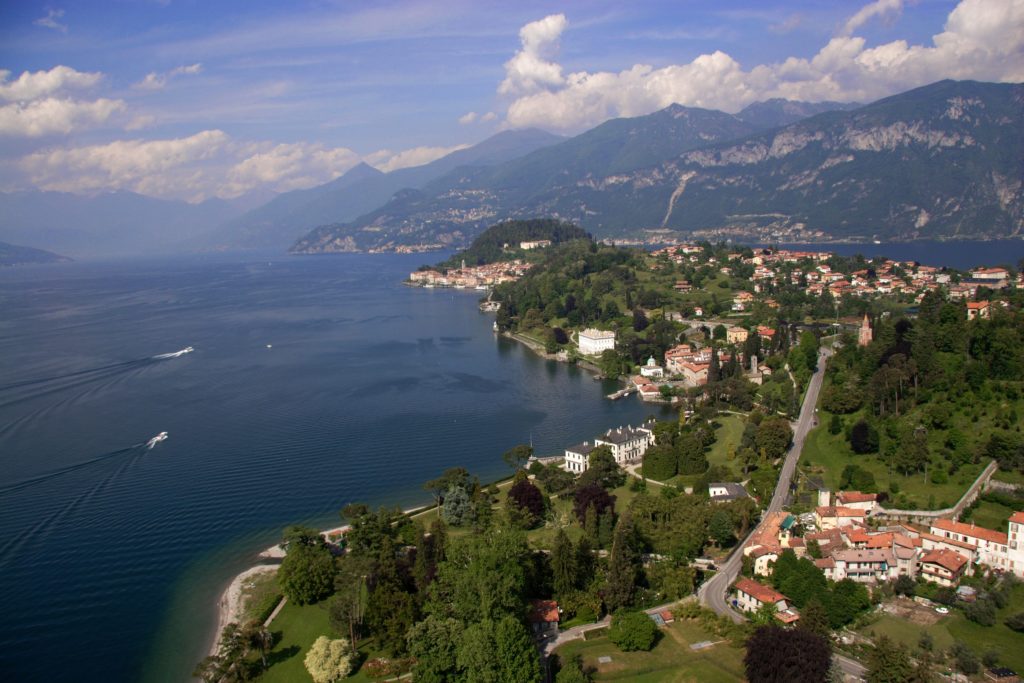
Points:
851	549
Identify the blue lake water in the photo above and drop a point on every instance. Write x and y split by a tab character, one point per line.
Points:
112	555
960	255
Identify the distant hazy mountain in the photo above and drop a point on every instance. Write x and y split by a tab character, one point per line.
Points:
108	224
362	189
778	112
14	255
945	160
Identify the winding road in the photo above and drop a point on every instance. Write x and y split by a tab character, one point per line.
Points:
714	592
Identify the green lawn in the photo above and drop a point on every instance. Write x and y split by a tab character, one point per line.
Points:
670	660
297	627
728	436
981	639
1011	477
827	454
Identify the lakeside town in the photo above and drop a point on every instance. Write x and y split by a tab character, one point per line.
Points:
831	486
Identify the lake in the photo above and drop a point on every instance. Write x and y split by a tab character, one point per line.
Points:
314	382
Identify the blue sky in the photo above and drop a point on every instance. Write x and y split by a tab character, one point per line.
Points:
195	99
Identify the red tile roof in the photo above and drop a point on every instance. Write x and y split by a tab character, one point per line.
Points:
543	611
758	591
1017	518
946	558
970	530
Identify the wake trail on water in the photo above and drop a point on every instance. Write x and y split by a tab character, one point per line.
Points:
35	481
41	530
103	370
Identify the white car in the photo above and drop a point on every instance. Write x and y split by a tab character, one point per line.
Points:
942	610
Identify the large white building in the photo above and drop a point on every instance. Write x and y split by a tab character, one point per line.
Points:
595	342
627	444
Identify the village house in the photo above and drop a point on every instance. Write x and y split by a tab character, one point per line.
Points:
991	545
837	516
864	566
736	335
978	309
534	244
723	492
943	567
593	342
751	596
858	501
544	618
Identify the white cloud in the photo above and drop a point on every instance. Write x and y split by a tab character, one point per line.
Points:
157	81
156	167
875	9
54	115
983	39
51	20
287	167
386	160
531	69
472	117
30	86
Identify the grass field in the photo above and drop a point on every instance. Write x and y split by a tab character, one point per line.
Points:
832	453
981	639
728	436
670	660
297	627
990	515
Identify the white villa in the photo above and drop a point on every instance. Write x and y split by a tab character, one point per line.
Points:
595	342
628	445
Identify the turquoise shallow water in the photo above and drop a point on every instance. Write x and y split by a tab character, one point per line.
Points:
113	554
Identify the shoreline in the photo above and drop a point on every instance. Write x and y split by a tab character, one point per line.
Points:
229	604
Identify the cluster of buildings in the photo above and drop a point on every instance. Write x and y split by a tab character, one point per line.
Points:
472	277
891	277
628	445
943	553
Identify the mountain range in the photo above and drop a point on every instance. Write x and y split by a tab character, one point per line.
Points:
941	161
944	161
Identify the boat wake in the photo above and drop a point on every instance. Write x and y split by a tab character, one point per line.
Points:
175	354
34	481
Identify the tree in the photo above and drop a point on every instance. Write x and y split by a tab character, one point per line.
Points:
301	535
888	662
1016	622
692	459
774	435
814	618
863	437
721	528
775	655
602	469
434	644
573	672
457	509
632	631
482	576
241	655
517	456
855	477
391	610
660	462
966	660
563	564
528	501
592	496
306	574
500	652
328	661
904	585
621	567
453	476
347	608
640	321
